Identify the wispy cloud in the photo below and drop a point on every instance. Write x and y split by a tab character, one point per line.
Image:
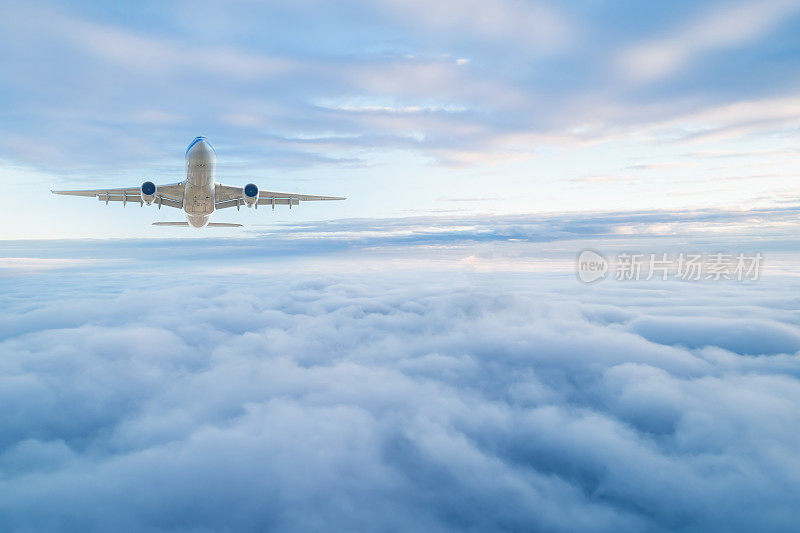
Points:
549	237
537	27
724	26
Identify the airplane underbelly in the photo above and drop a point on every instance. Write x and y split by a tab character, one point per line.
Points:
198	200
201	174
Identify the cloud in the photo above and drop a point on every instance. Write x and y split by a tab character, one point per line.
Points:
139	91
147	54
281	100
542	238
536	27
723	26
735	120
136	397
749	337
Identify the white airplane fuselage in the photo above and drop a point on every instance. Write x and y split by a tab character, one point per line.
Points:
199	192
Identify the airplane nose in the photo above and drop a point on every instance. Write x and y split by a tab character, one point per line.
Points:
200	145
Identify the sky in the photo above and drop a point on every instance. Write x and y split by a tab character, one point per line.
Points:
424	355
407	108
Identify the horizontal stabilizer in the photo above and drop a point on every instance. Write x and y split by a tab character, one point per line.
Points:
209	225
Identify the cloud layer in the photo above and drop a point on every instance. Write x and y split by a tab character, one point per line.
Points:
192	398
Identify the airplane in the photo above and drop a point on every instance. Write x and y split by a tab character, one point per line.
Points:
199	195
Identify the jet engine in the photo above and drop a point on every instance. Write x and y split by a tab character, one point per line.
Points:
148	189
250	195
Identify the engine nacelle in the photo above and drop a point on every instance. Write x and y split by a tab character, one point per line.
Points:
250	195
148	191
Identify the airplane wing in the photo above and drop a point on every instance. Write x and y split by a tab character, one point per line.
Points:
170	195
228	196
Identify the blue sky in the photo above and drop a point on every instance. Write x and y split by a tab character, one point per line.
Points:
408	108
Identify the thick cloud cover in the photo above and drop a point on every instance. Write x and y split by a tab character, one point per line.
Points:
290	395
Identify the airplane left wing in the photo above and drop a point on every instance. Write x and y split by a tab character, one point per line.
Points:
228	196
170	195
